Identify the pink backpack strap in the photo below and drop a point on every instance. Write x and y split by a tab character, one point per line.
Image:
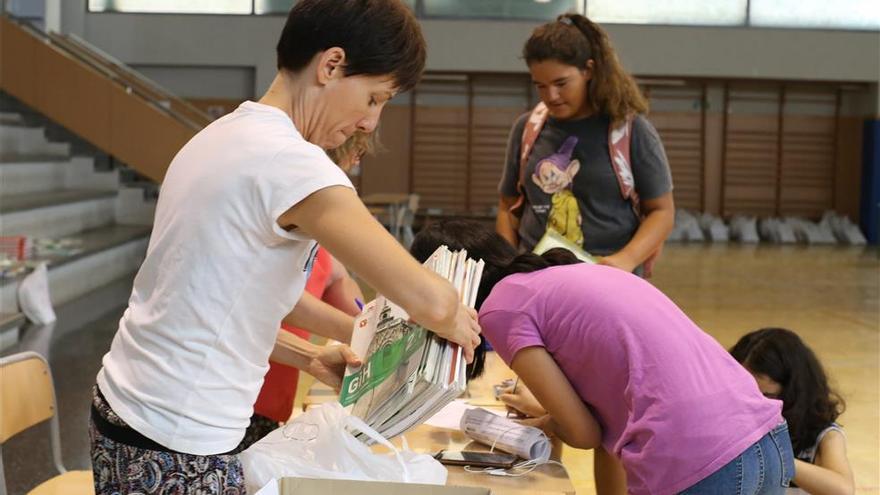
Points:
530	134
619	141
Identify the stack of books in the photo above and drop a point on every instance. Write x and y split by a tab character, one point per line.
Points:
408	373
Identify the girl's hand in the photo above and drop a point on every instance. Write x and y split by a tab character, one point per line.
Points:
651	261
619	260
521	401
329	365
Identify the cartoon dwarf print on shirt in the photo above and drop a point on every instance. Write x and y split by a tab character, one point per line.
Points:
555	175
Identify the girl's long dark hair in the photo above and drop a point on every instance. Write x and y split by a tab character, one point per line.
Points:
523	263
809	405
500	257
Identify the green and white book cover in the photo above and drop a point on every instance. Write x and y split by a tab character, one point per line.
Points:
407	372
387	343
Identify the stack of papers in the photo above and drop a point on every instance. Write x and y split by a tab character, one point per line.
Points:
503	434
408	373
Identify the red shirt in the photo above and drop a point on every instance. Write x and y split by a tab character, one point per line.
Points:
279	386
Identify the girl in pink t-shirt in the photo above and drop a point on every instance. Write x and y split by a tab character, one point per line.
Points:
616	363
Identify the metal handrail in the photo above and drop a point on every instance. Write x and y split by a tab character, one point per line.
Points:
153	85
100	65
117	72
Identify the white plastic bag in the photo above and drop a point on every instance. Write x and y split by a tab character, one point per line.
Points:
744	229
844	229
33	296
714	228
319	444
686	228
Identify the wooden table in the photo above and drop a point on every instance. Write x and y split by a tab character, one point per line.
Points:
429	439
480	392
383	199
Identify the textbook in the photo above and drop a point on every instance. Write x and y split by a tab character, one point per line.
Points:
408	373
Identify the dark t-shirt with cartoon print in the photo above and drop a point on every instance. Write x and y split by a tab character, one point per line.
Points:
571	187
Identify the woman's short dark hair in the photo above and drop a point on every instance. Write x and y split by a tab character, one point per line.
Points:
380	37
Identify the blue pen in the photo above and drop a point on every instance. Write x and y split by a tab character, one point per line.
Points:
360	305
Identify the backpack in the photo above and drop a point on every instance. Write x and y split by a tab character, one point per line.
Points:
619	142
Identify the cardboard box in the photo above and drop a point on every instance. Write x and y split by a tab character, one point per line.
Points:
307	486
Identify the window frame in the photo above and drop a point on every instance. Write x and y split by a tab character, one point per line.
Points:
583	8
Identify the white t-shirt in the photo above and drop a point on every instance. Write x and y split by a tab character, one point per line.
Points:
188	360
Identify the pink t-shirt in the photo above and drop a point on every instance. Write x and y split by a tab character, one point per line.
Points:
672	403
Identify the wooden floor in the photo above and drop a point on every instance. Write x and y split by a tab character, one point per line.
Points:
827	295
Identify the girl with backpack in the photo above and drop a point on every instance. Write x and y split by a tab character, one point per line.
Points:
585	162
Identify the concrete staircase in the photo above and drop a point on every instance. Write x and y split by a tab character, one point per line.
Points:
49	190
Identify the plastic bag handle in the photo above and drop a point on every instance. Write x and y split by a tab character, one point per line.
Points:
359	425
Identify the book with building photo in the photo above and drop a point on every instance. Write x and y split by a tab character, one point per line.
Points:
408	373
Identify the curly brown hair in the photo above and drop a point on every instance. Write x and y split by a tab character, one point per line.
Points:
574	40
809	404
349	153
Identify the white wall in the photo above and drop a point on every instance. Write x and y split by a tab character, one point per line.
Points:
494	46
203	81
676	50
181	40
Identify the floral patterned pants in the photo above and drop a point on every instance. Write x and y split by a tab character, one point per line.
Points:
123	469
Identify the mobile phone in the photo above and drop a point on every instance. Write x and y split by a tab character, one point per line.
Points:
476	459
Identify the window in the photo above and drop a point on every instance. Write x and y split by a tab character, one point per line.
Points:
499	9
262	7
238	7
822	14
173	6
697	12
842	14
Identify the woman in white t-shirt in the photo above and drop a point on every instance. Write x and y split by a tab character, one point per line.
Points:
241	208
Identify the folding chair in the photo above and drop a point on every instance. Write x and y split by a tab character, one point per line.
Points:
27	398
